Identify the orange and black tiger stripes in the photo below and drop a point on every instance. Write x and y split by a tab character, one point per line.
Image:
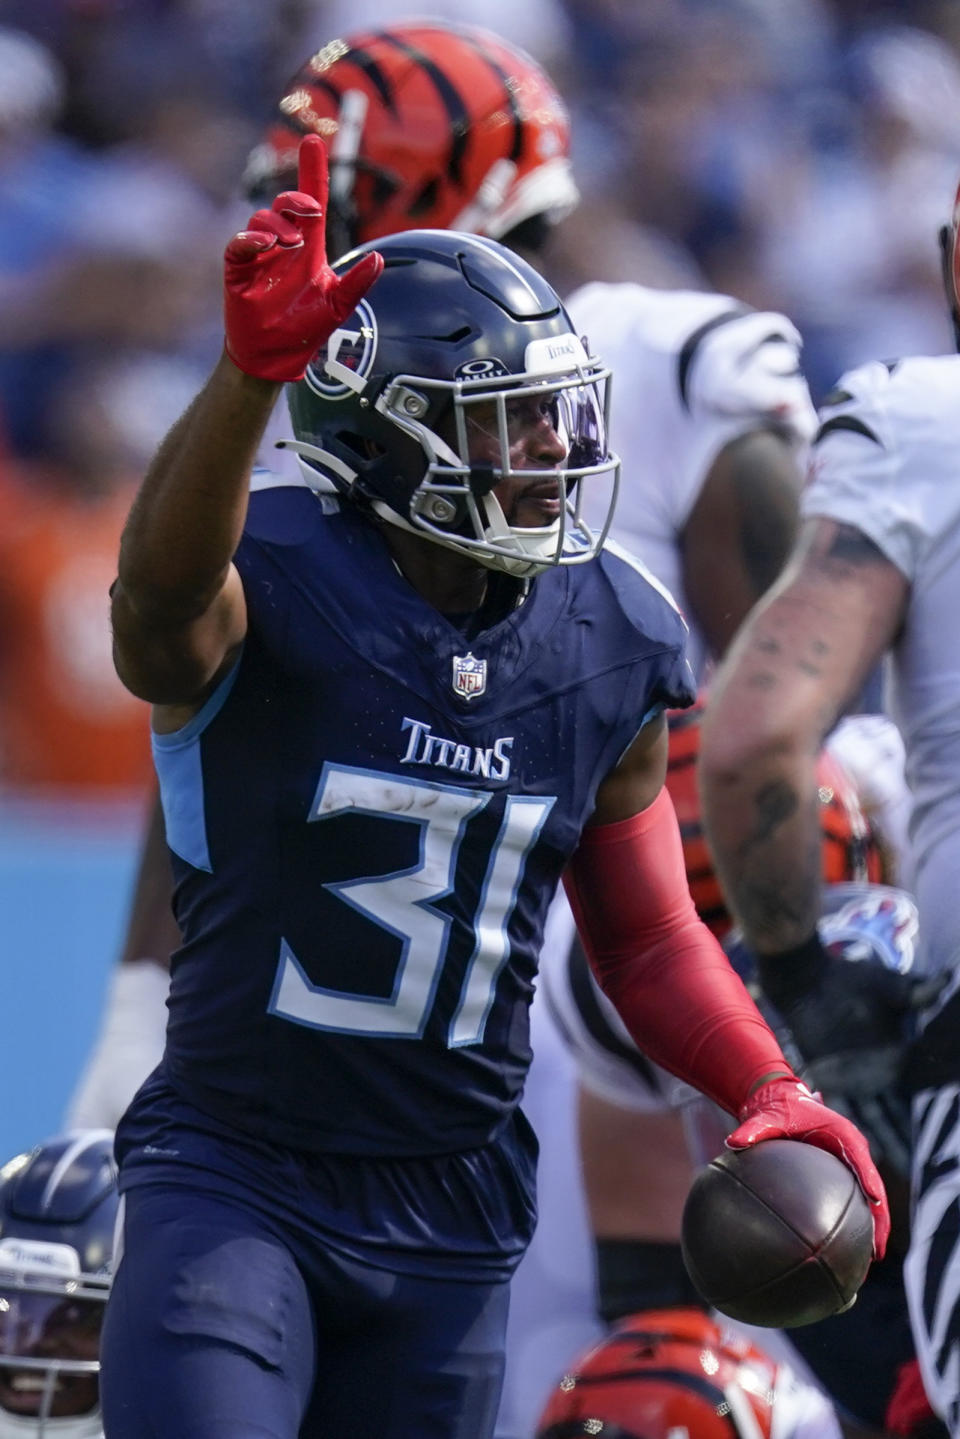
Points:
849	847
684	726
457	110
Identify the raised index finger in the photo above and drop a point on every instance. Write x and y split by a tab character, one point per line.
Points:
312	169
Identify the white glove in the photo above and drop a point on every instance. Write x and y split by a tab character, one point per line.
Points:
129	1045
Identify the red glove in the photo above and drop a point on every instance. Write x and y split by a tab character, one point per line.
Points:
281	298
785	1109
908	1410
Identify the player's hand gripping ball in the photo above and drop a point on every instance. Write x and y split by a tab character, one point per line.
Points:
779	1234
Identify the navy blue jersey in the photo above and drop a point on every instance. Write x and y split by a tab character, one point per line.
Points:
369	819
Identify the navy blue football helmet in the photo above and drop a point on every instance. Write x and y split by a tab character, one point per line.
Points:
421	404
58	1206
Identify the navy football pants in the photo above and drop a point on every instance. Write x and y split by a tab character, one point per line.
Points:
216	1329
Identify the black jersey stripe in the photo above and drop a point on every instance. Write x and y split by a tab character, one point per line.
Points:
836	396
847	422
940	1255
694	340
933	1058
939	1160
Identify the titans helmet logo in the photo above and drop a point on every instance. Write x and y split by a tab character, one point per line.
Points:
342	366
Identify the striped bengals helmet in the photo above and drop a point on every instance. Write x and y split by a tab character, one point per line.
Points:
429	126
661	1374
849	850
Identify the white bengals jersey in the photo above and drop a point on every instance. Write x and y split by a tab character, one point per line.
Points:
887	460
691	372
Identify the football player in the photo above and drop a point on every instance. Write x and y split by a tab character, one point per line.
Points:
875	571
385	722
430	125
58	1206
440	126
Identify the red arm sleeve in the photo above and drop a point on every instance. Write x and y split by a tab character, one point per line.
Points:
668	977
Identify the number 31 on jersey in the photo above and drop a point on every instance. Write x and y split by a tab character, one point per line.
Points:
403	903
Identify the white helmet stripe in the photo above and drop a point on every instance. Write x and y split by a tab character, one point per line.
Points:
84	1141
345	145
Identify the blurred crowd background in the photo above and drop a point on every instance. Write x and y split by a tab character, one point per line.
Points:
799	154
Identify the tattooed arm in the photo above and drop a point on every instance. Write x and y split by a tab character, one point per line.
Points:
799	660
801	657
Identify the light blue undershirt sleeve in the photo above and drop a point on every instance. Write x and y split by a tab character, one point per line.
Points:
179	767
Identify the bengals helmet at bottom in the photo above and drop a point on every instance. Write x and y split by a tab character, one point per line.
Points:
661	1374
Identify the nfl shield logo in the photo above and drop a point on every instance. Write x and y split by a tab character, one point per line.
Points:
469	676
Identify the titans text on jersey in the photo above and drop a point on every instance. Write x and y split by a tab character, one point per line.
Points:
425	747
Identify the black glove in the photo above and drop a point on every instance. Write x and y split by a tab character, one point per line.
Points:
866	1086
834	1005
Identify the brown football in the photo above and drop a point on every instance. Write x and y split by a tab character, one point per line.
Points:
779	1234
